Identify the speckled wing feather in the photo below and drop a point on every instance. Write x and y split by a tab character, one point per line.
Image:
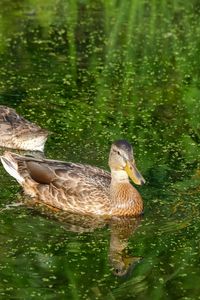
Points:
17	132
11	121
67	186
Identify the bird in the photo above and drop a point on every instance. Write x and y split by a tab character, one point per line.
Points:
18	133
80	188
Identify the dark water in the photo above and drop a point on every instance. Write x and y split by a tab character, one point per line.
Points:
92	72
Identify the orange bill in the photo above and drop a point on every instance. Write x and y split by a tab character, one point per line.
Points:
133	173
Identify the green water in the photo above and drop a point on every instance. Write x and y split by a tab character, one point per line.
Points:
92	72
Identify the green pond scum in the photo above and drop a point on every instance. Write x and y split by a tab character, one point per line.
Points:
91	72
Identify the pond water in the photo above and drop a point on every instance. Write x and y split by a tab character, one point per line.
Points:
92	72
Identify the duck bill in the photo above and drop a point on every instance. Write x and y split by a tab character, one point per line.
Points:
133	173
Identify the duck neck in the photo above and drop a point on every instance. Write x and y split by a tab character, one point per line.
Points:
119	177
125	200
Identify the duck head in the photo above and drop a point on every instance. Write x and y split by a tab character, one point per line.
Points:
121	158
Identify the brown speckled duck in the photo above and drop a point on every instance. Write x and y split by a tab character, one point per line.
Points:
18	133
81	188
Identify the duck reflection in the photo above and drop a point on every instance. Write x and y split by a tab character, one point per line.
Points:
121	229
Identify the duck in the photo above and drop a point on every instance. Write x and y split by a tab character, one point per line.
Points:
81	188
18	133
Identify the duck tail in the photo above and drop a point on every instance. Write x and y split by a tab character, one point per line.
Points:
10	165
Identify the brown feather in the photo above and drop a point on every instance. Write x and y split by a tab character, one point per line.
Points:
40	173
18	133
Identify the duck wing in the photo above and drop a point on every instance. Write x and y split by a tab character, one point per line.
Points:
81	188
17	132
10	120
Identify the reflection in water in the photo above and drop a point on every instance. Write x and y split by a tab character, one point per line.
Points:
121	229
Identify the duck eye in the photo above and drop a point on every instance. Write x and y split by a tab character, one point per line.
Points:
118	152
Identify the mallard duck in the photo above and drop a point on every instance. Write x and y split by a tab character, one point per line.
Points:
81	188
18	133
